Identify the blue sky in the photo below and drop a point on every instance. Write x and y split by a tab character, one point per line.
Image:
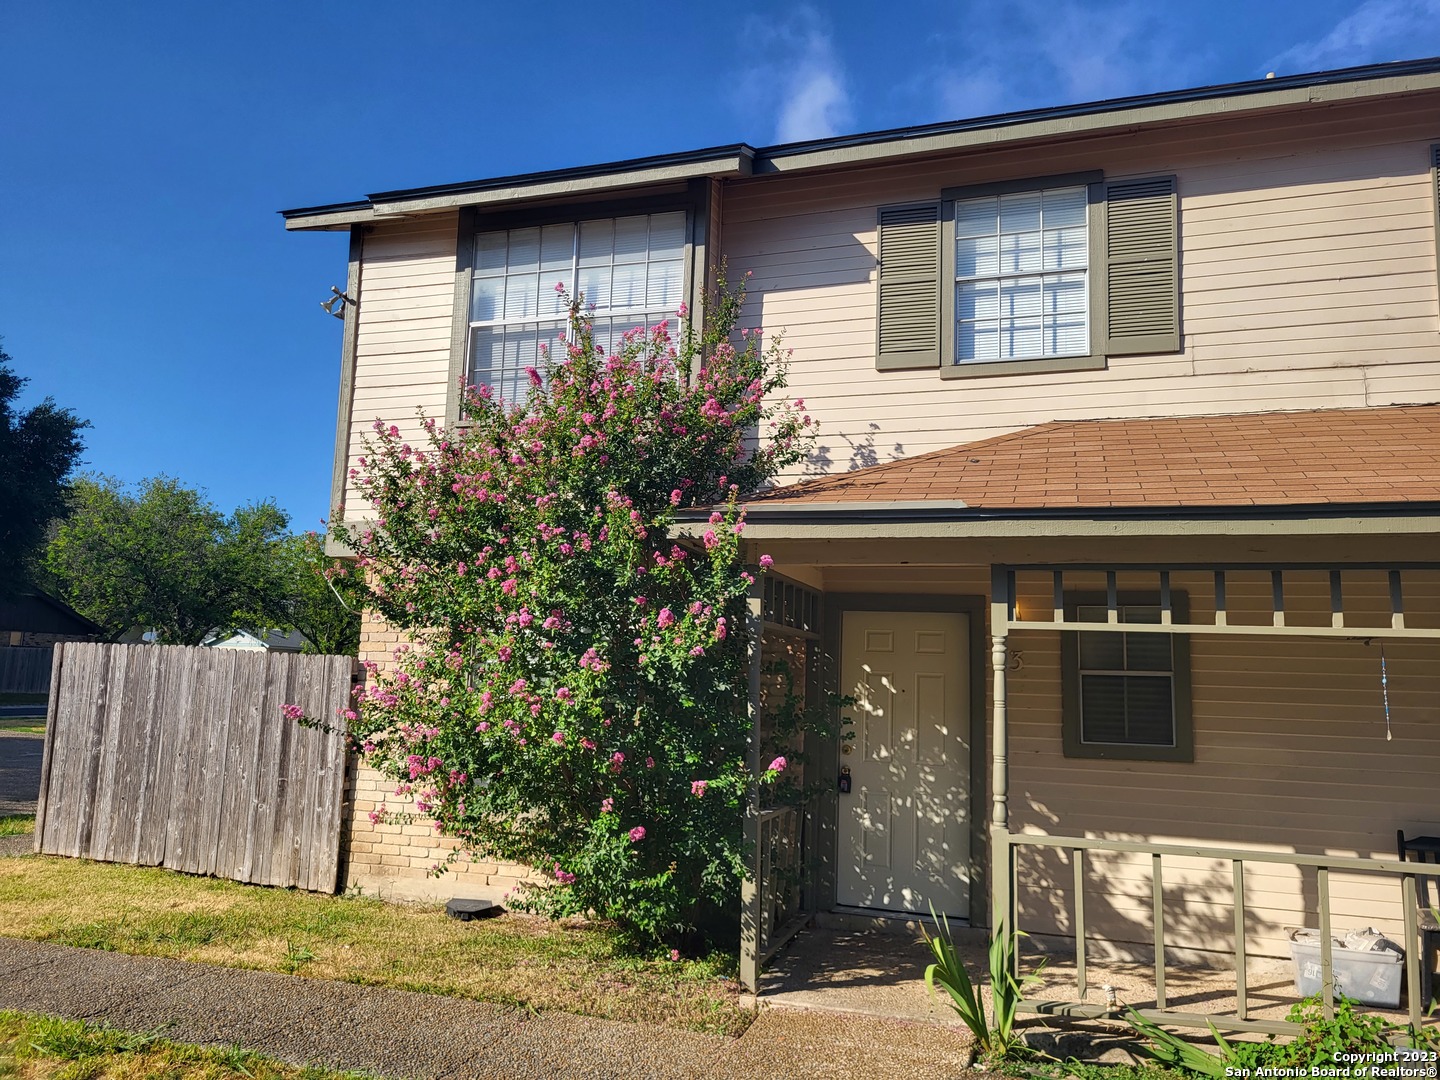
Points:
146	281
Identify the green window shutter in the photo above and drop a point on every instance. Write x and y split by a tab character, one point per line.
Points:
1142	266
908	313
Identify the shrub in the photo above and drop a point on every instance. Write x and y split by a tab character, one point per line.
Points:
572	697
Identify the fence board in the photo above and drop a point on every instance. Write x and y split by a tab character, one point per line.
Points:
43	798
25	669
181	757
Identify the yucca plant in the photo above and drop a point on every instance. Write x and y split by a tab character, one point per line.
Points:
1172	1051
994	1035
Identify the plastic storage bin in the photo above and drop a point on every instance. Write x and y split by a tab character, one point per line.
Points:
1372	976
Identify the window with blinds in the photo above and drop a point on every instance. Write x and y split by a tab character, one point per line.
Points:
1127	681
630	271
1022	262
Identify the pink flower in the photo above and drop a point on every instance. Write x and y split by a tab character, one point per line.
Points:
558	738
697	788
766	562
637	834
564	877
675	953
292	712
666	618
778	765
649	763
608	806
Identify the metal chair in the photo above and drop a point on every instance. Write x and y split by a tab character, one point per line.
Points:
1423	849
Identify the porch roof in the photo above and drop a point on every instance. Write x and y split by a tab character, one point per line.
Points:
1334	457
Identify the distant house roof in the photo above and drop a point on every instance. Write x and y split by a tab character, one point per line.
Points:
41	613
1279	459
269	640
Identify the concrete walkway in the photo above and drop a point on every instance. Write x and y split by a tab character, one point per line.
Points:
869	972
398	1034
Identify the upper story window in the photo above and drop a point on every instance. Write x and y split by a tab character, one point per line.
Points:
1021	275
1047	274
630	269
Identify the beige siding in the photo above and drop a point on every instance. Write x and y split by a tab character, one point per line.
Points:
1291	754
402	345
1308	278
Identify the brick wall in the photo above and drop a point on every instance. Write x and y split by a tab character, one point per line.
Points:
392	859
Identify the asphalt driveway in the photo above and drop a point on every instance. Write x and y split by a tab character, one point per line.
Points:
20	756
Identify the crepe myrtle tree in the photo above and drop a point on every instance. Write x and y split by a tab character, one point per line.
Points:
572	696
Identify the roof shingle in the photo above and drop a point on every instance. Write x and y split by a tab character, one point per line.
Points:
1337	456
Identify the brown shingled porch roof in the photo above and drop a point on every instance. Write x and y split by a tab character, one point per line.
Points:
1335	456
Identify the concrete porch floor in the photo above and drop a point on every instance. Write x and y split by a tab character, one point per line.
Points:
856	971
882	973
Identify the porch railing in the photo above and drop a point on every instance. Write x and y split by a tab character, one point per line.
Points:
1079	849
781	862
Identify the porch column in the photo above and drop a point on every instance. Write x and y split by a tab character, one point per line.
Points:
1000	900
751	897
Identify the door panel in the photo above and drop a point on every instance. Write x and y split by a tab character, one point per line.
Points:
904	826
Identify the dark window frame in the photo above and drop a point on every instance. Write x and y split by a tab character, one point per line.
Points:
1094	359
1183	749
694	200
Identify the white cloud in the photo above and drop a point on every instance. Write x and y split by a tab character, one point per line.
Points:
1377	30
802	75
1096	51
1057	52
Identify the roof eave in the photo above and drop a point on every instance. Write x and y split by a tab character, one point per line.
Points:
828	521
739	160
720	163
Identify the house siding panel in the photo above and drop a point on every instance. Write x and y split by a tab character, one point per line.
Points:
402	341
1307	270
1291	754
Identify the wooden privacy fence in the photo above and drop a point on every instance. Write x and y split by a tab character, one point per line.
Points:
25	669
181	757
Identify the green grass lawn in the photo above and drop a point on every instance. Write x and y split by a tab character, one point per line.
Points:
17	825
30	724
515	960
46	1048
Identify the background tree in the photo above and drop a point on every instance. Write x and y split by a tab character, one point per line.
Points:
162	557
39	447
319	596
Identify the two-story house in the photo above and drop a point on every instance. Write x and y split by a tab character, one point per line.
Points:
1124	521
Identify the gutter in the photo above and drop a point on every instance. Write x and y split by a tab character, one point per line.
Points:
829	521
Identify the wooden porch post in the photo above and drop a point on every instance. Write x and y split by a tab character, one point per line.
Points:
751	898
1000	870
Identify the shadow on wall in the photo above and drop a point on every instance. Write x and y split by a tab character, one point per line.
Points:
1197	903
848	454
